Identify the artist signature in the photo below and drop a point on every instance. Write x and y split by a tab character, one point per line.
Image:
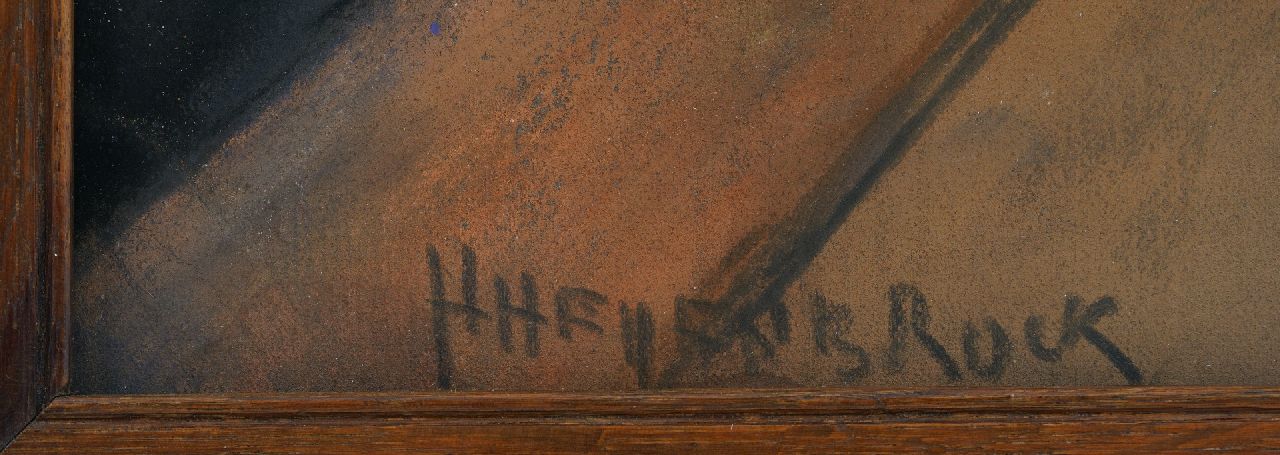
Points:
575	311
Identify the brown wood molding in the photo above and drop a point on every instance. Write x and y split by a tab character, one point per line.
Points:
734	421
35	185
722	403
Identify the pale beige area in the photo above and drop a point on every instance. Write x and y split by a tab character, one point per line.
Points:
1129	149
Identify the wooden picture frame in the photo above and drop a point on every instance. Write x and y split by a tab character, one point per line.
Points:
34	409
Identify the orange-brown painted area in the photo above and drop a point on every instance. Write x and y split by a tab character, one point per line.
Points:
615	146
607	195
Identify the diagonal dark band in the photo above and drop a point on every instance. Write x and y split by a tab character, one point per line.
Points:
753	279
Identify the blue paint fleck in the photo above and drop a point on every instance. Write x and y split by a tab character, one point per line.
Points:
435	27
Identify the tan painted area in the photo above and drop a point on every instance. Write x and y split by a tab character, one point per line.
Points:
617	146
1106	149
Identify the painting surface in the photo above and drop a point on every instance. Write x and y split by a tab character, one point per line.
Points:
611	195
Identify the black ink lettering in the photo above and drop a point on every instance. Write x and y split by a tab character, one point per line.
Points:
588	300
780	318
755	346
503	294
697	322
830	326
439	323
469	285
529	312
440	309
1000	350
1077	324
693	317
919	327
637	342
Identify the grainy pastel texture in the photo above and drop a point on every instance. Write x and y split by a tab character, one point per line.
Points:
1105	149
620	157
619	147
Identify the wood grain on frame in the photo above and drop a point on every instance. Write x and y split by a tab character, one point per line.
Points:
35	120
727	421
